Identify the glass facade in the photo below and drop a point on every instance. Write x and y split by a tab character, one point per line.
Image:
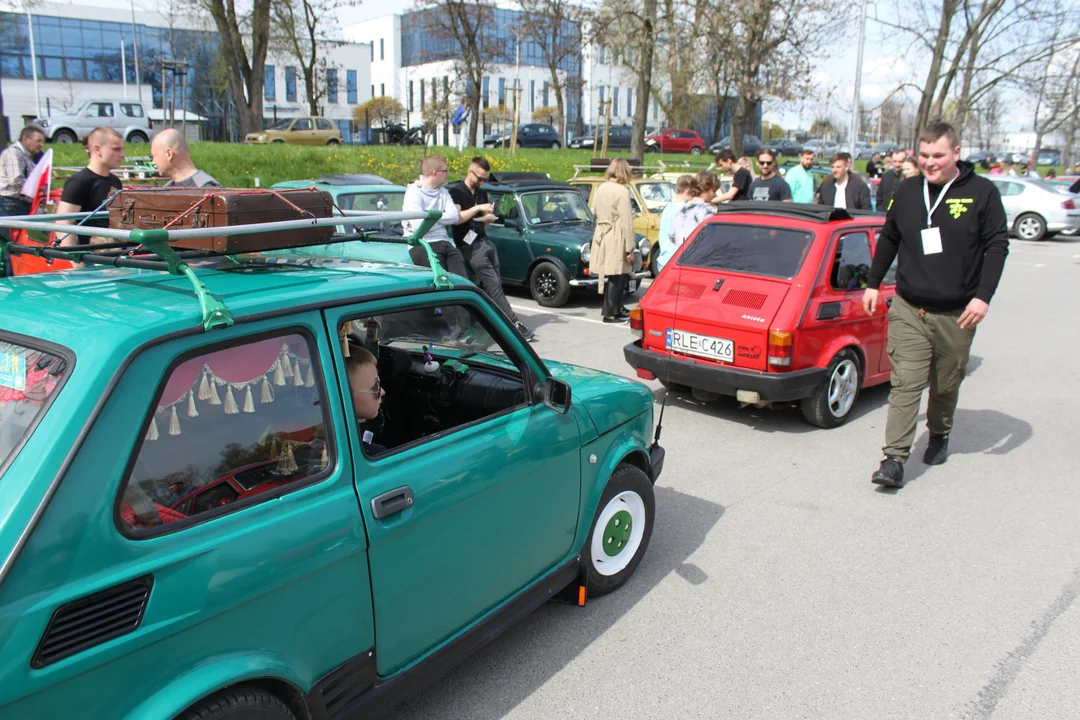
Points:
350	86
269	86
331	85
290	84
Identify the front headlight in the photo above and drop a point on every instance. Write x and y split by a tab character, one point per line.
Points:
587	143
644	246
586	252
43	123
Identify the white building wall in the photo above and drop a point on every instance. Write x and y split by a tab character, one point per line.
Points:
350	56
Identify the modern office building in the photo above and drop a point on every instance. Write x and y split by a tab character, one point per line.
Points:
88	52
414	62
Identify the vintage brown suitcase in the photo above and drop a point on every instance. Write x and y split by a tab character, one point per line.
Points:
177	208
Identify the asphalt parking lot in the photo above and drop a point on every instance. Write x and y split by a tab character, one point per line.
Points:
780	583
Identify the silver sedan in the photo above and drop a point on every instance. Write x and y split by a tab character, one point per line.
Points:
1034	208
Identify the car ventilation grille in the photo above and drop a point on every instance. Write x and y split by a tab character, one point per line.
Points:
746	299
92	620
686	290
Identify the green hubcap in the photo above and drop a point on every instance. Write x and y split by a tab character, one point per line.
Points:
617	533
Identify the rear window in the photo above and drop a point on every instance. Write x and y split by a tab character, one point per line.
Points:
775	252
28	379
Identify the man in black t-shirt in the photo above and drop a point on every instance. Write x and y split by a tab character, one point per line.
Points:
470	235
87	189
769	186
740	183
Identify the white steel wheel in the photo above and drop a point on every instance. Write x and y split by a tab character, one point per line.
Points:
620	531
620	525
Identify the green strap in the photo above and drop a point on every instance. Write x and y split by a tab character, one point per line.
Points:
214	312
441	277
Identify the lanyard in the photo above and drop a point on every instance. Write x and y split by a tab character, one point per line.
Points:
926	198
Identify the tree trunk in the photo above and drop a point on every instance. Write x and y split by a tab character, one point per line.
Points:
738	124
311	90
558	88
922	117
245	78
647	48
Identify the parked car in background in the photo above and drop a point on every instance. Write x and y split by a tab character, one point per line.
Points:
1049	157
823	149
648	198
1034	209
531	135
785	147
751	145
863	150
543	233
298	131
763	302
675	140
127	117
618	139
982	158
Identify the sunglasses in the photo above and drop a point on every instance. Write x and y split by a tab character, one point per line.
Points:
375	389
481	178
765	162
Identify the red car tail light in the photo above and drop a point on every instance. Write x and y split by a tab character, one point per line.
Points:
646	374
780	345
1068	205
637	324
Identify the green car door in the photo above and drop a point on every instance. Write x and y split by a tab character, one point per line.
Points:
469	484
509	236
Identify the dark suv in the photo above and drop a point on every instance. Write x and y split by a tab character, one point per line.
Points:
532	135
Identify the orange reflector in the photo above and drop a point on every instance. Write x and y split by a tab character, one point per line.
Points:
586	271
581	596
780	349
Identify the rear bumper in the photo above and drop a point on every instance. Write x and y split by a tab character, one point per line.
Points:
772	387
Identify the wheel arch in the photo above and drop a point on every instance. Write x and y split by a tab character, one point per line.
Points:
53	131
260	669
630	447
847	342
557	262
1016	221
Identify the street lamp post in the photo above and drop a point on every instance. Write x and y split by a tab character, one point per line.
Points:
853	134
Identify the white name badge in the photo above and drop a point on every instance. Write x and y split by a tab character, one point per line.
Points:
469	237
931	241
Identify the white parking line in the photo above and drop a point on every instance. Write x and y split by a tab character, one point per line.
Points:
544	311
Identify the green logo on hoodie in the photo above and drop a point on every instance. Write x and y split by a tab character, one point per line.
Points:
958	206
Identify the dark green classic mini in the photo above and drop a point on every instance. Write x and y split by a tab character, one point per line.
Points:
194	524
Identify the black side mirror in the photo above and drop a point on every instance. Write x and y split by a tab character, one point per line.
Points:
557	395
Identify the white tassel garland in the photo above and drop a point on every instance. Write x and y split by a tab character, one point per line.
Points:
249	404
230	403
174	422
298	375
214	398
310	382
290	461
267	396
287	369
192	411
325	458
279	373
152	431
204	387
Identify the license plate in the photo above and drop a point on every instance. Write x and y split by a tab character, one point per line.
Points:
703	345
631	286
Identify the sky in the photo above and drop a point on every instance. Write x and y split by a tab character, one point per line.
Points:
885	65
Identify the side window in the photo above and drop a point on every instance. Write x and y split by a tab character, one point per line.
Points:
585	190
852	263
233	424
101	110
505	207
131	110
423	372
634	205
527	130
302	124
322	124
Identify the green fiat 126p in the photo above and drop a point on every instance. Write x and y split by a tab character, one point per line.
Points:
199	521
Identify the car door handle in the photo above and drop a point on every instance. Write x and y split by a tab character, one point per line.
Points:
392	502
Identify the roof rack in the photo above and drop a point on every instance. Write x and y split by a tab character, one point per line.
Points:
134	248
802	211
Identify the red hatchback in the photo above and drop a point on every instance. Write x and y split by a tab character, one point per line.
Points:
764	302
675	140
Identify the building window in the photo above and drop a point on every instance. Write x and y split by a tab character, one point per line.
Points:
382	49
629	102
423	94
655	109
485	86
269	92
532	95
615	101
331	86
382	90
410	94
350	86
502	91
602	55
546	94
290	84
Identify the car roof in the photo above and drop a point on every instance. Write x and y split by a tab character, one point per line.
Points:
120	307
338	188
791	214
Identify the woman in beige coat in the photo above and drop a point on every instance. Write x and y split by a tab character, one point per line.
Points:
613	240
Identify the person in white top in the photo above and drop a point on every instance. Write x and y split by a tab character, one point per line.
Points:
425	194
696	208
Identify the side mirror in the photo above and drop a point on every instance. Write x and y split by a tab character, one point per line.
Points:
556	395
512	222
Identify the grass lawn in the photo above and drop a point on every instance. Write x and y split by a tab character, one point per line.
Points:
237	165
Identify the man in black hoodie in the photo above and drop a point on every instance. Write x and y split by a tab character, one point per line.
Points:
890	180
948	233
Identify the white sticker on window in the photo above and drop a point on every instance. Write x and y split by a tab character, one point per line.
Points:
13	370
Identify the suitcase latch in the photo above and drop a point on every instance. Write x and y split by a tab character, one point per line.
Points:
128	215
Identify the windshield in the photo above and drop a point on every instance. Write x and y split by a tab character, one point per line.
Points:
28	378
656	195
548	207
774	252
439	329
282	125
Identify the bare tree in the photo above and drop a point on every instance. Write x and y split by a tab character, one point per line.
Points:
626	23
555	27
245	39
465	31
1055	89
303	30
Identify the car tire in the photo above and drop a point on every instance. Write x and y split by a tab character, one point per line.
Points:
137	138
833	400
240	703
654	268
695	151
332	141
64	136
549	285
620	532
277	142
1030	226
555	146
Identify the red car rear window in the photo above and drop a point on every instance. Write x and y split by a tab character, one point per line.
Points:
774	252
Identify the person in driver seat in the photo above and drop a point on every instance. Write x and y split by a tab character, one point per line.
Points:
367	394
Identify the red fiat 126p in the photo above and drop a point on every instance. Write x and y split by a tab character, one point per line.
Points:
763	302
